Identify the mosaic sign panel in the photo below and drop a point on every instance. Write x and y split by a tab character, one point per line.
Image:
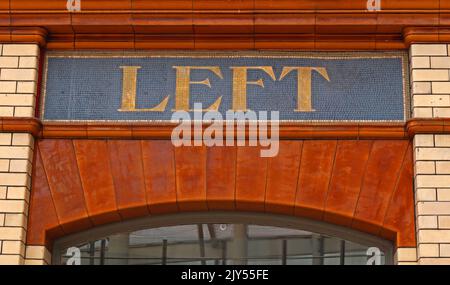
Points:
151	86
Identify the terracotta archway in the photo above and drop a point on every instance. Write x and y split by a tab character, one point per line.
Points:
361	184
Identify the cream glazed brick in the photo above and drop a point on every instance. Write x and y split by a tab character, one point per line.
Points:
12	233
3	191
442	140
12	206
18	193
23	111
420	62
443	167
430	75
38	252
441	112
440	88
428	250
13	247
434	236
443	194
17	100
18	74
423	140
23	166
431	100
35	262
427	222
8	259
444	250
440	62
405	254
8	86
423	112
6	111
9	62
422	88
429	50
28	62
426	195
22	139
439	154
444	222
15	179
430	181
28	87
20	50
433	208
16	220
16	152
425	167
5	138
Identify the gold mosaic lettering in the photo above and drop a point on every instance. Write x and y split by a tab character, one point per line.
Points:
129	82
240	84
183	83
304	85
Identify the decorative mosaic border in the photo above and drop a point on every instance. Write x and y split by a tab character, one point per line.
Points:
403	55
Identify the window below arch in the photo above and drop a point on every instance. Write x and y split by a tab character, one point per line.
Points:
204	242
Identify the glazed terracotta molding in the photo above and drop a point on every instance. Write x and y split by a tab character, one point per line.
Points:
164	131
21	125
34	35
286	131
234	24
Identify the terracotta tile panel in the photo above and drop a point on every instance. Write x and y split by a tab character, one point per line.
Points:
412	4
54	23
128	176
159	171
38	5
109	23
42	215
162	23
314	178
284	24
282	178
345	184
400	214
60	165
223	24
395	23
285	4
220	177
162	5
224	42
351	23
219	4
96	178
190	167
380	180
251	178
341	4
351	173
4	5
87	5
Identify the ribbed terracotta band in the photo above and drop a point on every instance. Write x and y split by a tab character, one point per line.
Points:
287	130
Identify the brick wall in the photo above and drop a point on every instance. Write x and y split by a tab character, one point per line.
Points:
430	71
18	80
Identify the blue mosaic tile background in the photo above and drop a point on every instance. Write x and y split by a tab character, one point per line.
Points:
359	88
